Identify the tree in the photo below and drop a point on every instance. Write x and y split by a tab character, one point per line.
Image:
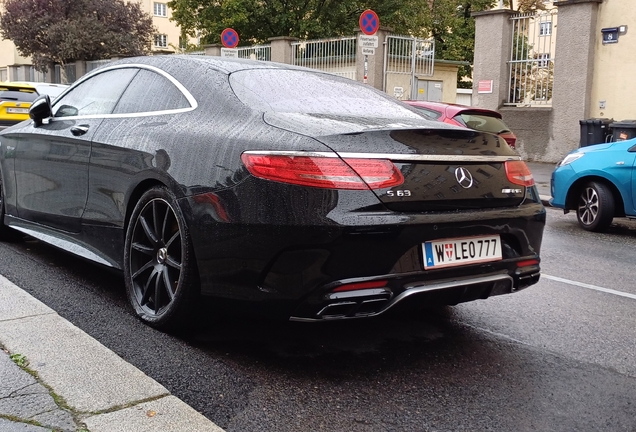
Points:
525	5
451	23
63	31
256	20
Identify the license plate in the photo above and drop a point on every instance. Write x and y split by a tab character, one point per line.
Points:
18	110
461	251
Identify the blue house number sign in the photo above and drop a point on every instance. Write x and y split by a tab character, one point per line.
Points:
610	35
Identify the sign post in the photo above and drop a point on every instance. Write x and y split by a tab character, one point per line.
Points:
369	25
229	39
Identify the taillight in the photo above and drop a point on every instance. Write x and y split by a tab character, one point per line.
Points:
527	263
518	173
510	139
324	172
360	286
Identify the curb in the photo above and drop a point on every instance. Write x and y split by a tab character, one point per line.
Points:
103	391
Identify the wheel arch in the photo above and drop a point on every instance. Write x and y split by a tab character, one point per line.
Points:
574	191
135	196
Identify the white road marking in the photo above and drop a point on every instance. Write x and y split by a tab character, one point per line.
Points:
592	287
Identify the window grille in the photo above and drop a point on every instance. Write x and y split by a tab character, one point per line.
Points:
161	9
161	41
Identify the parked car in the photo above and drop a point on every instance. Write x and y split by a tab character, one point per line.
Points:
15	100
51	89
302	192
597	182
483	120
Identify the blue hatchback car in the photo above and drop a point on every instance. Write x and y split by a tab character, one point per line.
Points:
598	182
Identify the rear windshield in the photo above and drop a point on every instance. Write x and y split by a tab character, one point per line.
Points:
428	113
291	91
18	95
482	122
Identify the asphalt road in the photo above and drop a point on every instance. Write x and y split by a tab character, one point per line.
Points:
558	356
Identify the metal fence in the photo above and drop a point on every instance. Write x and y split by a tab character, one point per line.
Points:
406	54
35	75
406	59
71	74
94	64
256	52
336	55
532	59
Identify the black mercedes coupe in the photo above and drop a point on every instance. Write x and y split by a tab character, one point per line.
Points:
282	187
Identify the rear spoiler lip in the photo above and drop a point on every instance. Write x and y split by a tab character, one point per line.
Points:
391	156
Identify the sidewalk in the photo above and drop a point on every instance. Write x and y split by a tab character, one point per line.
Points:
542	172
53	376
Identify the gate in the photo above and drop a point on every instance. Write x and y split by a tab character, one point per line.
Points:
405	60
531	66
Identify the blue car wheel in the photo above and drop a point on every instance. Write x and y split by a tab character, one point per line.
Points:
595	209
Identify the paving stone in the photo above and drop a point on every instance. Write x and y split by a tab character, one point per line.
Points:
10	426
58	419
27	406
12	378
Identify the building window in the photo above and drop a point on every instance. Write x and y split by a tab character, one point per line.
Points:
545	28
161	9
161	41
544	60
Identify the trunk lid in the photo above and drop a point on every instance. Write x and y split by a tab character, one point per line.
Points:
445	167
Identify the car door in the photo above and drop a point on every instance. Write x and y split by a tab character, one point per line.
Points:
51	160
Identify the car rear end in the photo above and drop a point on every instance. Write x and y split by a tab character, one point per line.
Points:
342	213
464	223
15	100
435	217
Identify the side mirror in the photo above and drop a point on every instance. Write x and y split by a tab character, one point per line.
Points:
40	109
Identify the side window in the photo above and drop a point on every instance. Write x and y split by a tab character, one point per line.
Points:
97	95
149	92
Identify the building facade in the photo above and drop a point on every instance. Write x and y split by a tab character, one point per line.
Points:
593	60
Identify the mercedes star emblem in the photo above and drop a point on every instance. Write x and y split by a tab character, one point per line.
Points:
464	177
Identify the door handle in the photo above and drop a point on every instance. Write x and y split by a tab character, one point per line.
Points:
79	130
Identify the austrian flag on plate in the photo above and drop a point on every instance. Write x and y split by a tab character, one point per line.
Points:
461	251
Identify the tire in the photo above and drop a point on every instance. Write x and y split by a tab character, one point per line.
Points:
595	207
160	271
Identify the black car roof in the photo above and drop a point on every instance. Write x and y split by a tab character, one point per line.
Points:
224	65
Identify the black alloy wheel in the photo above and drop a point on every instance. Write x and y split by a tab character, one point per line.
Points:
595	209
159	265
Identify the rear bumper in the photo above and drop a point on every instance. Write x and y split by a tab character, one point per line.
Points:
412	289
292	264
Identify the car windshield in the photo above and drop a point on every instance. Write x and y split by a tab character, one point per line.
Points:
22	95
482	122
291	91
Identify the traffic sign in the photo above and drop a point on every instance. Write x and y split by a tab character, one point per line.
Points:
229	38
369	22
368	41
229	52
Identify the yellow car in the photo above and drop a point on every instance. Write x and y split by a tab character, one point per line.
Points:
15	100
